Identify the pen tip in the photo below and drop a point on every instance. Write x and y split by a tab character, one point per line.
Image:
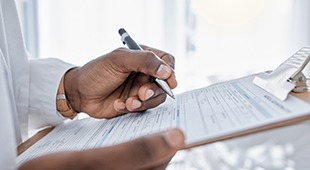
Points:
121	31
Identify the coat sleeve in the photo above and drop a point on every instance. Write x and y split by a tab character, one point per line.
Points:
45	75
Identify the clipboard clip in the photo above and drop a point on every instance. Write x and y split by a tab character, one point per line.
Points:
300	81
287	77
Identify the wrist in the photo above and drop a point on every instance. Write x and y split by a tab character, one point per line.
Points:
71	89
63	106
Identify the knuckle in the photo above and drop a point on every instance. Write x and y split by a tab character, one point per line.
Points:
118	52
148	62
171	59
171	56
150	55
119	49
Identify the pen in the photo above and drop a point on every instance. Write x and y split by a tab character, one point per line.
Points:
126	39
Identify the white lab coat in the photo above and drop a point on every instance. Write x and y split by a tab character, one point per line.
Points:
28	88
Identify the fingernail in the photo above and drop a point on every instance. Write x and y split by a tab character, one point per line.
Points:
173	138
163	71
136	104
149	94
120	105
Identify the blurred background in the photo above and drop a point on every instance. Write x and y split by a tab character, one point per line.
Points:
212	41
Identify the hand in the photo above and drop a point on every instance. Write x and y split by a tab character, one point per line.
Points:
149	152
119	82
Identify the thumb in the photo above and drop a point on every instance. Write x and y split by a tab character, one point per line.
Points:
145	62
150	151
145	152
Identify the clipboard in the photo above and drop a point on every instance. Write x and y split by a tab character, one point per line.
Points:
214	113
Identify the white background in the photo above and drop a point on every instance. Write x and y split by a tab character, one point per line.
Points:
212	41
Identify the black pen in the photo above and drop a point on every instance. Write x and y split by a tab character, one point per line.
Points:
126	39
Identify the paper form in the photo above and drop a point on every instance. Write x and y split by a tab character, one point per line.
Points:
202	114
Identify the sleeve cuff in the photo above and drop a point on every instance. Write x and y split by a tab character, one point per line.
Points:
45	75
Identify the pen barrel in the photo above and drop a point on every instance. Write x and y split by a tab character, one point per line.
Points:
131	43
126	39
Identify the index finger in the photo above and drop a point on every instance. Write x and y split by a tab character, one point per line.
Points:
168	58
